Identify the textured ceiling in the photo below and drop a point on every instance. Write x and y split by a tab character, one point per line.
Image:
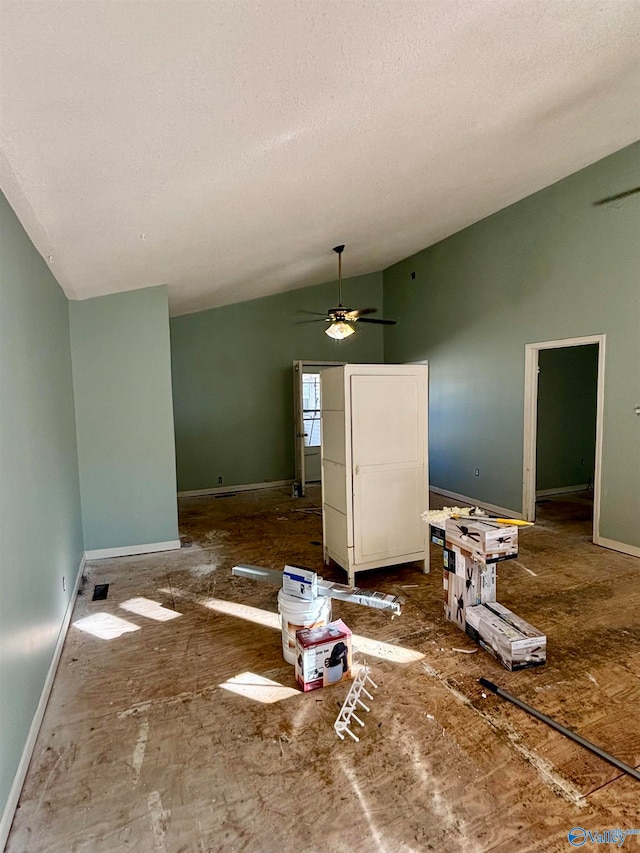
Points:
223	148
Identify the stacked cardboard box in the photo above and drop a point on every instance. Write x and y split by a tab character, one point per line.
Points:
471	551
467	581
511	640
487	541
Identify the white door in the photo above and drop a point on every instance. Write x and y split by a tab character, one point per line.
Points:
311	423
306	393
389	464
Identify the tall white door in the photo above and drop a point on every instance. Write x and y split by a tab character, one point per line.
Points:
389	464
306	406
311	423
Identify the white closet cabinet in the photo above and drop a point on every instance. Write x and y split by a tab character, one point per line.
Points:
374	465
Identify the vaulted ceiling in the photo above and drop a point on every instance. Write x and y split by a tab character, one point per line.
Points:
223	147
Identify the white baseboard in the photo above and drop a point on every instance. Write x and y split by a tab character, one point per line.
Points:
632	550
226	490
563	490
27	752
132	550
496	510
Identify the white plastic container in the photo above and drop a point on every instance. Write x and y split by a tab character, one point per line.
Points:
295	613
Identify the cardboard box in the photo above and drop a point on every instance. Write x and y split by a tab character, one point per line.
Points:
323	655
299	582
511	640
461	561
437	534
489	542
449	560
454	606
473	582
367	597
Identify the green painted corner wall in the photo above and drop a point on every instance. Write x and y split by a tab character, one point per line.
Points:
566	428
233	381
126	451
40	523
552	266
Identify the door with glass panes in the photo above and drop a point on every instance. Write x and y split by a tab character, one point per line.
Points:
306	377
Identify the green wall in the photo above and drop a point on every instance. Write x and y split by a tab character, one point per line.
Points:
40	525
122	384
233	384
566	429
551	266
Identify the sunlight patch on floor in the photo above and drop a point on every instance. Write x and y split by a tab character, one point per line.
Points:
257	687
150	609
384	651
230	608
105	626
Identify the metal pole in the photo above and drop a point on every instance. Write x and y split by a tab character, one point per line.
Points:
631	771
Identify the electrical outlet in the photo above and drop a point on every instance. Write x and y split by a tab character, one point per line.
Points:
219	481
64	584
477	472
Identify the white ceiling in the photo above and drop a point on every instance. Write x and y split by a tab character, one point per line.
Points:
223	147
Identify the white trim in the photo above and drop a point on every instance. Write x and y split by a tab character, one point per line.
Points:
497	510
529	435
632	550
27	752
132	550
298	428
226	490
563	490
597	475
531	417
307	363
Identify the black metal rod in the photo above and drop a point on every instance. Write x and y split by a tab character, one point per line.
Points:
631	771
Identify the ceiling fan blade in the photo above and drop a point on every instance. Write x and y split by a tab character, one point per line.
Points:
360	312
321	319
618	196
315	313
377	320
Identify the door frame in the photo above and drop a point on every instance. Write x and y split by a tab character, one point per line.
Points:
531	421
299	485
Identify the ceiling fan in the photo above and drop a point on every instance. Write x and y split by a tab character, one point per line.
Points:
618	196
341	320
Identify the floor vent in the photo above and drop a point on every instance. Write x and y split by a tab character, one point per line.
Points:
100	591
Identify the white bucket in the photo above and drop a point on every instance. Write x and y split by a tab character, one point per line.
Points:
295	613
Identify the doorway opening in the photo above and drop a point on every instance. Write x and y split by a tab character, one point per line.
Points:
563	419
307	431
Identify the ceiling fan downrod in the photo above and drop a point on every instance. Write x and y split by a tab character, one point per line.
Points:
339	250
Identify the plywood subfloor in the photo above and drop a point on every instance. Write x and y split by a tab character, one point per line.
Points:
144	748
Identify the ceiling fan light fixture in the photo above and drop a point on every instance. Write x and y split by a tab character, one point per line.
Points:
339	330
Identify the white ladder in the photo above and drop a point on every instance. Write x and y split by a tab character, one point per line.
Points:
347	712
